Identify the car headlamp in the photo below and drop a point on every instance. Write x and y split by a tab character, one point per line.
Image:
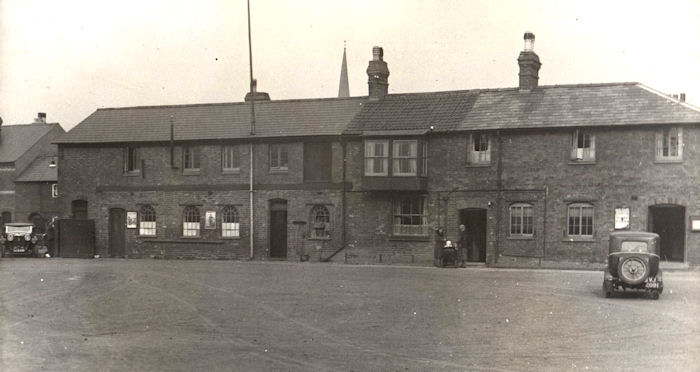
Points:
10	237
27	237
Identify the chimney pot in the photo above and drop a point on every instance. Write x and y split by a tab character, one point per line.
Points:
682	97
377	53
41	118
529	41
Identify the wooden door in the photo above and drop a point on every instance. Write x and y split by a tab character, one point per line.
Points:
278	228
117	232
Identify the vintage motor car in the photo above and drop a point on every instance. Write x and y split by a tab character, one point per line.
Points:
633	263
21	239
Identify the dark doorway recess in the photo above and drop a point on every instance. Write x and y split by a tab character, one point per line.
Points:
278	228
474	219
117	232
668	220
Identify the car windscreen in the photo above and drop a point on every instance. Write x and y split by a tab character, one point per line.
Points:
18	230
634	247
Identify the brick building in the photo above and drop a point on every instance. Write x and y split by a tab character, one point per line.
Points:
28	178
537	174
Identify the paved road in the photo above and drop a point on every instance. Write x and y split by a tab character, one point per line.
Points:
141	315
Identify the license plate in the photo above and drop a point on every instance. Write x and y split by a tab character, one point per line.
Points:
18	250
652	285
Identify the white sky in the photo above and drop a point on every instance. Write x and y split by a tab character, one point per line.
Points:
70	57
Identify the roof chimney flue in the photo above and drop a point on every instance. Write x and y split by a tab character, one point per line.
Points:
41	118
377	75
529	64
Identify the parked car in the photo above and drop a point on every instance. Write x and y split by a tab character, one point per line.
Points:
21	239
633	263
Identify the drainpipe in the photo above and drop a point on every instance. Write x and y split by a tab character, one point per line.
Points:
251	197
342	200
499	201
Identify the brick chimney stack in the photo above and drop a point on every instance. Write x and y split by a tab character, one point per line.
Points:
41	118
529	64
378	75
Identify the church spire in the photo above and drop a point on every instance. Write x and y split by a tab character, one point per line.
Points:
344	88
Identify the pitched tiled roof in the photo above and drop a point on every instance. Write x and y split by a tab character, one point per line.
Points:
15	140
544	107
216	121
39	171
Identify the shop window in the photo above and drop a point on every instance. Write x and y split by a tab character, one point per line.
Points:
147	221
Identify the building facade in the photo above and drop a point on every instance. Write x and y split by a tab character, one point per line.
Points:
28	176
539	175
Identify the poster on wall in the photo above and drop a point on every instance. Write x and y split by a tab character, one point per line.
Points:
622	218
131	221
695	223
210	220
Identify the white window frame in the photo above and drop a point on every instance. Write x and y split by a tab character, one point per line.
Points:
517	211
320	222
230	222
147	228
479	156
54	190
276	158
230	158
582	146
399	216
371	158
424	159
578	215
409	160
665	141
191	158
191	228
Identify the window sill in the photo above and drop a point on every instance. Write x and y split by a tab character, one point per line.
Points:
409	238
668	161
230	238
191	237
478	165
531	237
191	172
132	174
404	175
231	171
279	171
579	240
376	175
147	236
581	162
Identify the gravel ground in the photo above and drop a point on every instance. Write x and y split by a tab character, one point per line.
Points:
143	315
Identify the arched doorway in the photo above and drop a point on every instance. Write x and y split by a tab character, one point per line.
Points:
668	220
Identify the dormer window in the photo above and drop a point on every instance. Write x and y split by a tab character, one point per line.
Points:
582	147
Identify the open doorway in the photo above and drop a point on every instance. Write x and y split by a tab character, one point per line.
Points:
278	228
474	219
668	221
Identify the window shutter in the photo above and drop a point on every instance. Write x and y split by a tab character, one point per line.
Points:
470	147
659	145
680	143
592	150
574	139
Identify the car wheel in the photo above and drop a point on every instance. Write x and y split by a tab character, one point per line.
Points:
633	270
608	294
